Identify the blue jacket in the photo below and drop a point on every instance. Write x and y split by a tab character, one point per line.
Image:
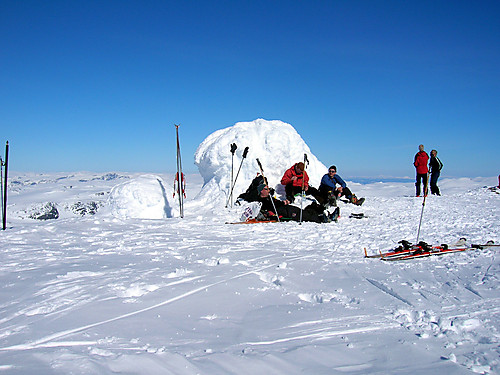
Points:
331	182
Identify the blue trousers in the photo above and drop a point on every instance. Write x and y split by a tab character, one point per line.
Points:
434	180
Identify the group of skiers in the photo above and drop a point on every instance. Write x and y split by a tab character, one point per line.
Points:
332	187
296	181
423	170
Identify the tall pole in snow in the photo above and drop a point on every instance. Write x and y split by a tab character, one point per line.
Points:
1	187
423	205
245	153
4	199
180	175
306	161
267	185
233	149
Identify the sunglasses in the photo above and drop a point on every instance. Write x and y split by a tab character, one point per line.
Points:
332	171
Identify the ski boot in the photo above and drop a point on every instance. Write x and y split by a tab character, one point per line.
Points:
329	217
356	201
331	200
335	215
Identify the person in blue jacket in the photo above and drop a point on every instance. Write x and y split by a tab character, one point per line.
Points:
328	188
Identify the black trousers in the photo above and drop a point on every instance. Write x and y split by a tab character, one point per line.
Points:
326	190
421	179
313	212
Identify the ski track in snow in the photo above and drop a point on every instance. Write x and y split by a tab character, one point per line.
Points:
103	295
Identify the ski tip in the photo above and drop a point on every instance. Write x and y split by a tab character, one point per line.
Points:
366	254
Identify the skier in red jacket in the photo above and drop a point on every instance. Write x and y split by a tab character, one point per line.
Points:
296	178
420	163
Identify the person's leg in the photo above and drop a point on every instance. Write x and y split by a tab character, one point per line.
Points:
433	183
313	214
417	185
424	178
346	192
289	192
316	194
436	187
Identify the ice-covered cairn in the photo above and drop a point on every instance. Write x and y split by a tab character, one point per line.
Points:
275	143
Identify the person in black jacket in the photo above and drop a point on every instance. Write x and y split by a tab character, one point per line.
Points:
435	167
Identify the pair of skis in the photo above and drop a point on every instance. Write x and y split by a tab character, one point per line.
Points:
408	251
3	185
180	180
233	181
303	192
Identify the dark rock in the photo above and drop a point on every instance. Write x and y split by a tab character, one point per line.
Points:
89	208
46	212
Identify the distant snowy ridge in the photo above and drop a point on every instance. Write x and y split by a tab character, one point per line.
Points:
275	143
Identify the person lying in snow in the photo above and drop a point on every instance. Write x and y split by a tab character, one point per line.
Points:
313	212
329	190
296	178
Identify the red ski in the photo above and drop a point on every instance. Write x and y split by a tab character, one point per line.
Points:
436	250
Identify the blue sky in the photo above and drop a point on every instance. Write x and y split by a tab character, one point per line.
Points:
99	85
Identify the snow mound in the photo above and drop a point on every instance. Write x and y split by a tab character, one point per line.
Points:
275	143
143	197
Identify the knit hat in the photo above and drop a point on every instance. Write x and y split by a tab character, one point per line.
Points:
300	166
261	187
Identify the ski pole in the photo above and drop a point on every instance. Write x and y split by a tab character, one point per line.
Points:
303	193
245	152
179	173
233	149
423	205
1	185
270	197
6	164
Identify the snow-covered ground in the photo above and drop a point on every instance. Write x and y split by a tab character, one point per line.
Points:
119	284
97	294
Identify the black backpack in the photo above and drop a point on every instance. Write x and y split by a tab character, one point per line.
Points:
251	194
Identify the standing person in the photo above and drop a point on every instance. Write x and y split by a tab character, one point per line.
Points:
292	179
435	167
329	190
420	163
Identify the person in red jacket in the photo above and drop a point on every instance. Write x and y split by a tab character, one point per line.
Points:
420	163
296	178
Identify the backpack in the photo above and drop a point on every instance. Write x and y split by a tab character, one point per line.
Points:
251	194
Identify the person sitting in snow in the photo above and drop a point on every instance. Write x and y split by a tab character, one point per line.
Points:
313	212
295	179
328	188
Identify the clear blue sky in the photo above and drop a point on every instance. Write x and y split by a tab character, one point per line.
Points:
99	85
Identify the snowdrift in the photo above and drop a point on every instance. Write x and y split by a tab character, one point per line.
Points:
141	198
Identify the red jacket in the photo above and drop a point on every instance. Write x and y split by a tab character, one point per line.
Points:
421	160
287	177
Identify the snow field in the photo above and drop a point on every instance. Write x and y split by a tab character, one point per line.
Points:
100	294
120	284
